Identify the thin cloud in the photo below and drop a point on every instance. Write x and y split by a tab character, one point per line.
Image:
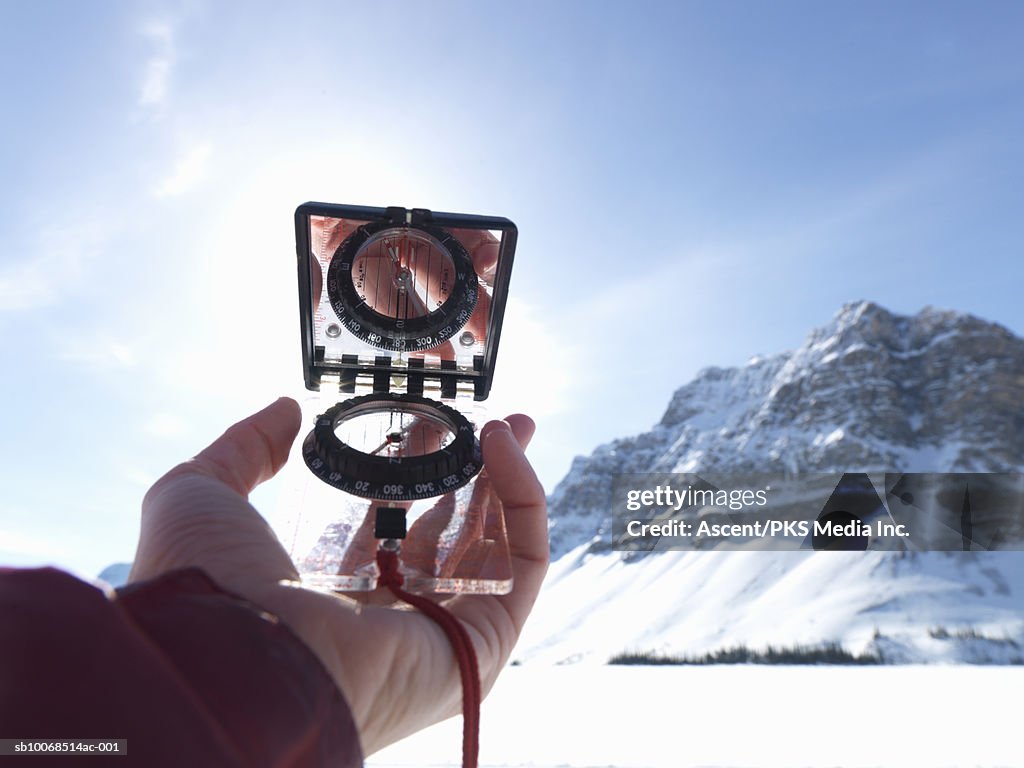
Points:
97	352
159	66
27	285
54	262
189	171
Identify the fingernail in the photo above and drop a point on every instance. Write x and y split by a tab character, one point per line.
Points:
492	427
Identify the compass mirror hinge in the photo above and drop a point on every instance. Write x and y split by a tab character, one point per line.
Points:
411	376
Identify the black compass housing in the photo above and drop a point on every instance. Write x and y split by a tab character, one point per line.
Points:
377	475
453	339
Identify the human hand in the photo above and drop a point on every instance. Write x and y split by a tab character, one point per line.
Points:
395	667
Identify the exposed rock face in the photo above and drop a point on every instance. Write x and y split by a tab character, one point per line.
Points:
939	391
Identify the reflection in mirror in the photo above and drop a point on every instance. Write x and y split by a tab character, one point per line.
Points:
422	292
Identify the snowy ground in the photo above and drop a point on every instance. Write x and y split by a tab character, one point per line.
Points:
633	717
922	607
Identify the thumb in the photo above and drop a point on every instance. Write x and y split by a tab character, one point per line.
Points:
251	451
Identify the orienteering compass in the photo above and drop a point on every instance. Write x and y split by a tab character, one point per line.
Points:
401	313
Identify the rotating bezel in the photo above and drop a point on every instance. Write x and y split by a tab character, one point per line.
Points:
389	478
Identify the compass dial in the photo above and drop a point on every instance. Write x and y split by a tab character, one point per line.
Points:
393	447
402	287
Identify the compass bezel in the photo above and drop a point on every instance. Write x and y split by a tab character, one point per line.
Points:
387	478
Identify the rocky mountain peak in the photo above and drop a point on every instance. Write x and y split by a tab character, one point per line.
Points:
868	323
871	390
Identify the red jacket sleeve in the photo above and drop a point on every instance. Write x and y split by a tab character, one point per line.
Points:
187	673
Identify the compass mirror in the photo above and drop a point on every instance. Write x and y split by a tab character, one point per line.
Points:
387	289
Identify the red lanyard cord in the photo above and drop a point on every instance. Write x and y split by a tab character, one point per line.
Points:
465	656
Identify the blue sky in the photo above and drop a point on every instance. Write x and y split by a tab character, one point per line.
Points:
694	183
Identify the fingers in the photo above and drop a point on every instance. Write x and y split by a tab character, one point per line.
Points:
196	514
325	236
522	497
254	449
522	426
516	484
482	246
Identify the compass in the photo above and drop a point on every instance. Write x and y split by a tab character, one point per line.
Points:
408	342
400	312
393	447
407	287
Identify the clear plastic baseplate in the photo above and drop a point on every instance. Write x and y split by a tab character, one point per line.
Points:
456	543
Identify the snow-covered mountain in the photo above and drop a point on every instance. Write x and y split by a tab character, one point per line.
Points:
939	391
115	574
